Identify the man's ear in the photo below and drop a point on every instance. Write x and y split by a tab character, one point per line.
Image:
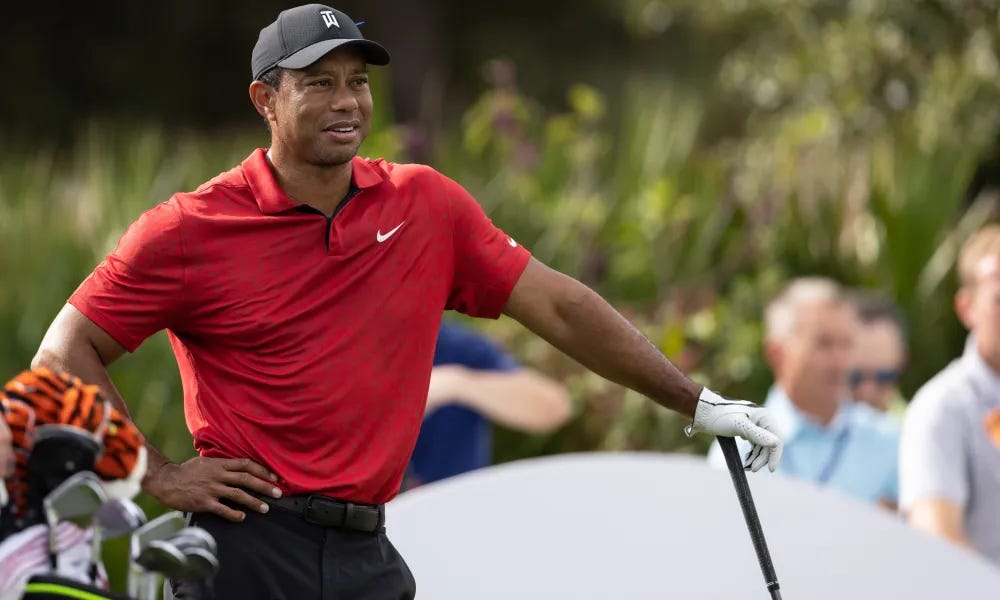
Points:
963	306
773	353
263	97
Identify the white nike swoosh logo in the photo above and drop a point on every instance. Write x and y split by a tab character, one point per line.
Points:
511	241
380	237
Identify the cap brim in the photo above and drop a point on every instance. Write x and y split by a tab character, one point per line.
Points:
374	53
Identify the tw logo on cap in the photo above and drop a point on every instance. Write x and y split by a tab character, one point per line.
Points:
329	19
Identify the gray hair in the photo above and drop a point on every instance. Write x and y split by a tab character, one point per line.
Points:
782	313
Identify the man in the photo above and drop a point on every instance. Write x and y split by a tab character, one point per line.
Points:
809	338
302	292
879	355
475	382
950	448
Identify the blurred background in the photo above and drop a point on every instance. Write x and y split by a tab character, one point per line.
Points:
684	158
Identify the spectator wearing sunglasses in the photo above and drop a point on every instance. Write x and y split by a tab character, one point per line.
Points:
810	331
879	354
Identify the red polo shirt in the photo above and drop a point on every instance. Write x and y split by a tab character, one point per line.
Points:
303	344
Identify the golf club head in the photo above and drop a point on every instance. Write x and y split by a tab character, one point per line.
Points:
118	517
198	536
113	519
202	564
162	527
199	547
79	495
160	556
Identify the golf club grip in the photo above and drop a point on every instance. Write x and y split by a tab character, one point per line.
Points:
735	465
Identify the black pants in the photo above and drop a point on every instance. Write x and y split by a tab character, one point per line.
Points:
278	555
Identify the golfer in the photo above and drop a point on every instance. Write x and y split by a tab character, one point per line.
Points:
302	292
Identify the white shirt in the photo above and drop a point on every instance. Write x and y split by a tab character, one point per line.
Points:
946	452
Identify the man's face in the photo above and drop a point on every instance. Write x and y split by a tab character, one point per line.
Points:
323	112
979	308
878	360
812	364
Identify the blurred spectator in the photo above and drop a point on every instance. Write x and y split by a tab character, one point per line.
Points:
810	331
475	382
879	354
950	449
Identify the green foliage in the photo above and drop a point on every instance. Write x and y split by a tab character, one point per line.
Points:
851	133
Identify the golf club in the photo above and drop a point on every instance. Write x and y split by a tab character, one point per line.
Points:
161	528
202	564
160	557
205	538
200	549
739	477
190	554
114	518
80	495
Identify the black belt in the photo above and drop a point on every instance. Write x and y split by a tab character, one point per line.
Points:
329	512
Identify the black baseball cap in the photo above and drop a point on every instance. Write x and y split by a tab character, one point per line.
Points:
302	35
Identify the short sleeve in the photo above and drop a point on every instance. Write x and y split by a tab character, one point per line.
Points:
487	262
932	457
137	289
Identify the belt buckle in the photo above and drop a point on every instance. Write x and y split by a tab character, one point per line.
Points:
309	511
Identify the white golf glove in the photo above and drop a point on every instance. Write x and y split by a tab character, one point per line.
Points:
731	418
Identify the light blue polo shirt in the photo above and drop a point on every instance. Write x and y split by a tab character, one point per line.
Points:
855	454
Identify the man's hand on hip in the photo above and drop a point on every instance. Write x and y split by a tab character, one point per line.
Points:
737	418
199	484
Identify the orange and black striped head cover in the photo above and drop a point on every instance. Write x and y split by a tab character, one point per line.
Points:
41	397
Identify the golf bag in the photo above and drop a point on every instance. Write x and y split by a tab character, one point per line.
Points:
60	428
25	554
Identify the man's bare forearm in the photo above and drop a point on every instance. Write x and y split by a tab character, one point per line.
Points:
576	320
86	363
942	518
523	399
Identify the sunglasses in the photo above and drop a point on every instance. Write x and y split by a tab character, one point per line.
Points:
878	376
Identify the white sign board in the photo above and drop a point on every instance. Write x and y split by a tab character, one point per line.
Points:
637	526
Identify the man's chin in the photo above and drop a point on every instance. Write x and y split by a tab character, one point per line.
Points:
334	158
